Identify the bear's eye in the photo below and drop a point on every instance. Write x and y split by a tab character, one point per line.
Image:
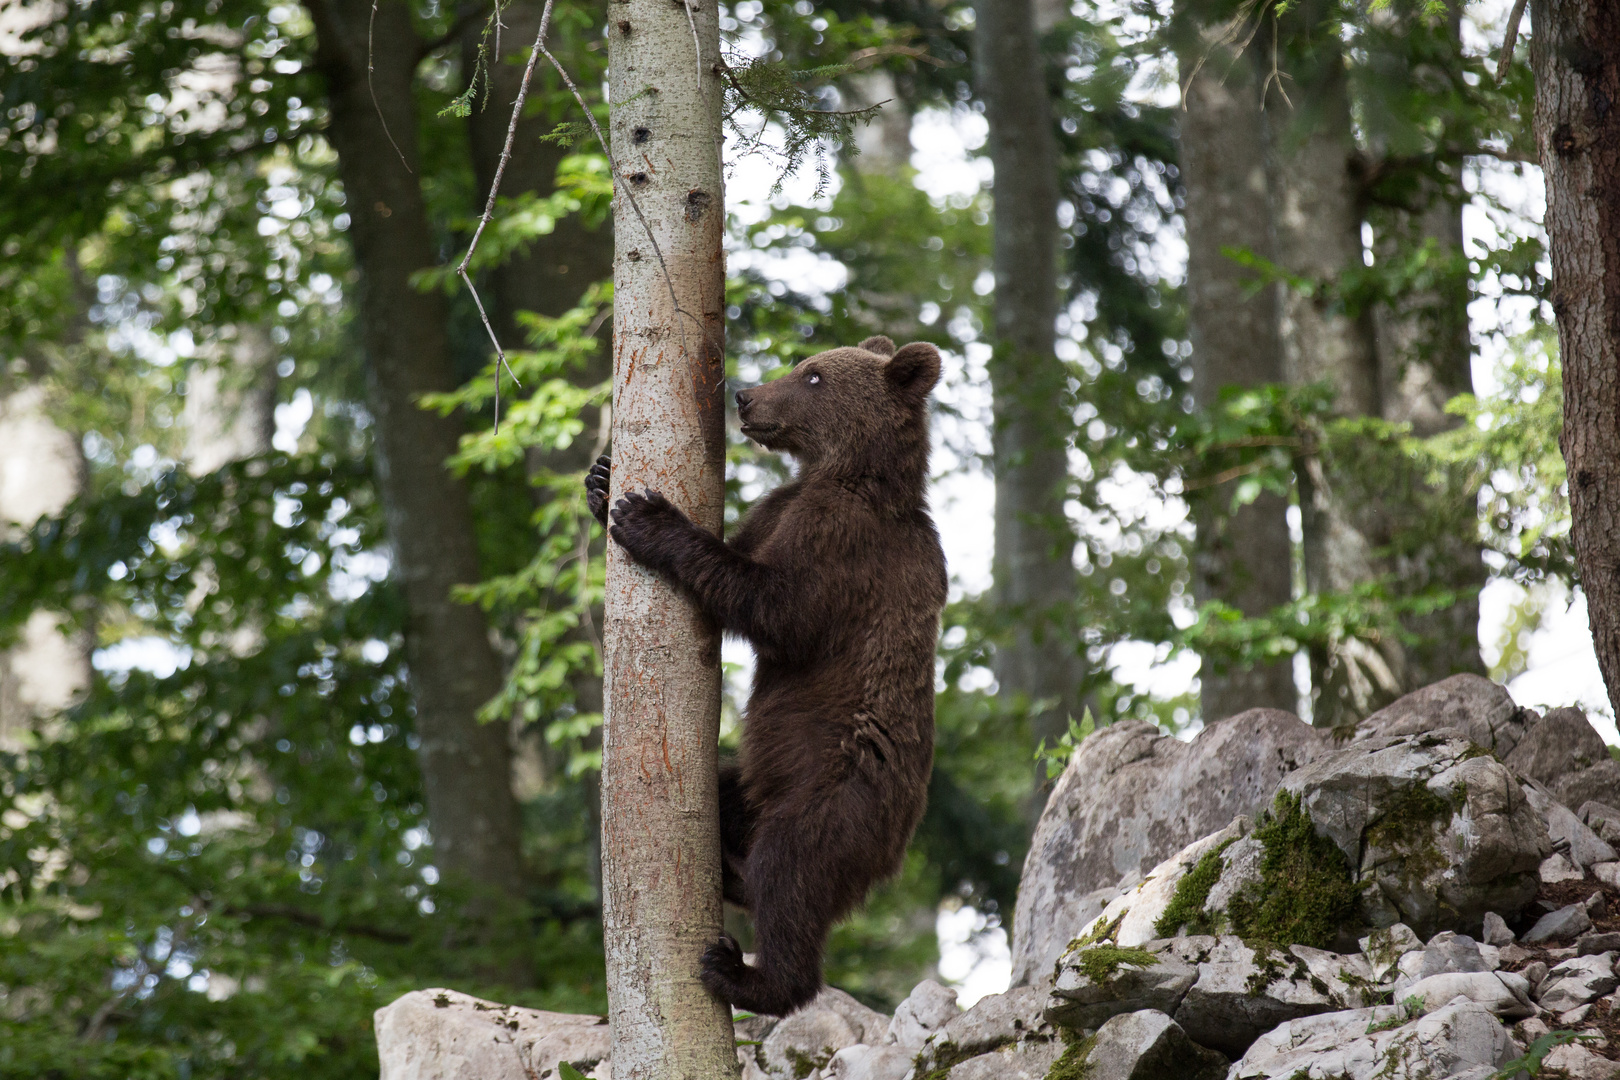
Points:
814	379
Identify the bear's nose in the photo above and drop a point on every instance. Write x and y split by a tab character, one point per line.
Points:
742	402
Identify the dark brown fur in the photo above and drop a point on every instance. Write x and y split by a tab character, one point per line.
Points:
837	579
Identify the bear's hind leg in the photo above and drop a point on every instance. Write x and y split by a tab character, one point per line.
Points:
801	876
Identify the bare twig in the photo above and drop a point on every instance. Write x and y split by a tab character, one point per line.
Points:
1222	477
489	204
1226	36
861	59
371	26
535	53
1510	38
697	47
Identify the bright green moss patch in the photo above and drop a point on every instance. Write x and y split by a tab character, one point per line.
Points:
1306	890
1186	906
1100	963
1075	1063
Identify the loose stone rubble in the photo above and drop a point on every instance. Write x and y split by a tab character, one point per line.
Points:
1424	899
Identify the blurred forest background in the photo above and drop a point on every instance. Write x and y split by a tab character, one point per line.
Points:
300	699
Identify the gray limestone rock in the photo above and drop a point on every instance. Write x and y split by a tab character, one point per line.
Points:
1584	847
1028	1060
1385	947
1592	944
1133	915
1450	951
862	1062
1600	783
1437	833
1148	1045
1601	818
1483	711
1496	931
1575	982
1463	1040
446	1035
1101	980
1130	798
1563	743
995	1021
926	1009
1570	921
1241	993
806	1041
1579	1063
1503	993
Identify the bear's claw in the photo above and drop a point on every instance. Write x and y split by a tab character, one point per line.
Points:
723	965
596	488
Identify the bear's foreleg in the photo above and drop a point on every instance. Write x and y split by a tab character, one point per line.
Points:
734	590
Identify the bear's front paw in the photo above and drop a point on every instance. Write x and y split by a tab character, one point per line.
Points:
723	966
596	488
640	520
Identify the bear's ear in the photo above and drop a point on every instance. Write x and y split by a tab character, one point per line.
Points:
880	344
913	371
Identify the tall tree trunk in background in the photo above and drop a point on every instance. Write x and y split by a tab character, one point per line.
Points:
466	768
1425	360
41	470
1575	52
660	784
1316	229
548	279
885	142
1035	579
1243	558
230	410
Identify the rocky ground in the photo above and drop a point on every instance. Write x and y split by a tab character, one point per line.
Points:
1432	895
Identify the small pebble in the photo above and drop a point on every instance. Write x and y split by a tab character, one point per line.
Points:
1496	930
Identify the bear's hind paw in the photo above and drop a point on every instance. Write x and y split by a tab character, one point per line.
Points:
724	967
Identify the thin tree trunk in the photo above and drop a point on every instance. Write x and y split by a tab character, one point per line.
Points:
466	766
1243	558
1035	579
660	785
1316	228
1575	52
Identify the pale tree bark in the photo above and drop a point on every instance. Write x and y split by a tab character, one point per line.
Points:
1316	229
1035	578
1575	52
466	769
1243	557
660	785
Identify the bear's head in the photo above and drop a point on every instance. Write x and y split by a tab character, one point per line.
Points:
845	408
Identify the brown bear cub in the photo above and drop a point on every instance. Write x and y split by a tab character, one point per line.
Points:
837	579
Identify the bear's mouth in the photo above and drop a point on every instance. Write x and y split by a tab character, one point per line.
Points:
760	431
